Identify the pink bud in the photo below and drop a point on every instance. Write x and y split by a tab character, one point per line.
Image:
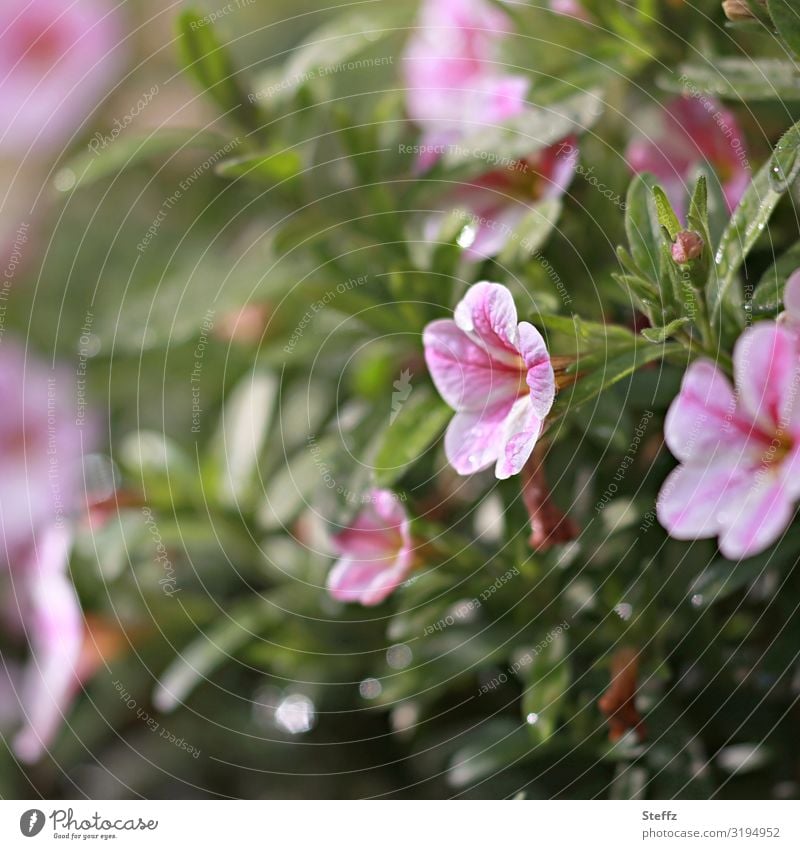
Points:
688	245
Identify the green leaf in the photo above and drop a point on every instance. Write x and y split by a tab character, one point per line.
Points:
641	226
545	672
416	423
492	747
739	79
264	168
159	467
211	650
532	232
784	164
280	169
697	218
785	15
89	167
660	334
645	295
290	488
666	215
751	217
602	370
768	297
723	577
242	435
587	334
208	61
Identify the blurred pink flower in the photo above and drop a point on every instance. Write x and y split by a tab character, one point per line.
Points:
497	202
739	472
791	302
40	484
572	8
57	62
456	83
691	132
375	551
495	372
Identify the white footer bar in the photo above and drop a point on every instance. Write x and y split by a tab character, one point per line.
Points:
400	824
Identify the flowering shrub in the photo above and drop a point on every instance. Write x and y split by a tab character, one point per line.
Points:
422	396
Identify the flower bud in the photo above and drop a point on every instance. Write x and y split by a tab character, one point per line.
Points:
687	246
618	702
739	10
549	525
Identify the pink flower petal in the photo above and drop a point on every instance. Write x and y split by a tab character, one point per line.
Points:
756	519
453	79
56	635
521	429
474	439
540	377
463	372
381	527
767	370
692	498
703	423
791	295
367	582
488	314
376	551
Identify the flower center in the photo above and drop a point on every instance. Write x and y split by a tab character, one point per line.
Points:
38	42
777	451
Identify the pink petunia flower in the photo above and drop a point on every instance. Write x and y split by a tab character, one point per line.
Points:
375	552
739	453
455	81
497	202
41	479
57	61
691	132
495	372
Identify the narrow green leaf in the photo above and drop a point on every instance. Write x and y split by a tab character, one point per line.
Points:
644	237
532	232
208	61
750	218
491	749
642	290
587	334
415	424
660	334
737	78
158	466
697	218
666	215
768	296
242	434
545	672
267	169
723	578
210	651
604	370
785	15
87	168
